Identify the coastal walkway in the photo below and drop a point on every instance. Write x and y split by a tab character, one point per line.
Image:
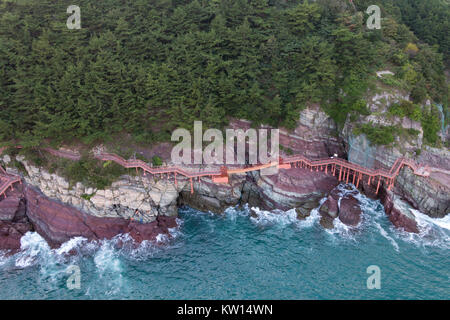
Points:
7	181
343	170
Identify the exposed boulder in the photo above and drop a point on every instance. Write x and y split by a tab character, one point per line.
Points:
326	221
292	188
350	211
209	196
399	212
10	234
330	207
302	213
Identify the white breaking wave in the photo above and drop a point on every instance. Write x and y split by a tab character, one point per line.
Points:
385	234
284	218
32	246
106	258
339	228
109	269
162	238
107	254
433	232
424	220
276	217
313	217
3	258
73	243
232	213
53	263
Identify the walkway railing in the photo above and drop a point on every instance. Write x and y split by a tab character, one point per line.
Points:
347	169
7	181
340	168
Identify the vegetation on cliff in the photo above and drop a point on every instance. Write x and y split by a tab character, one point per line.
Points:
88	170
430	19
148	66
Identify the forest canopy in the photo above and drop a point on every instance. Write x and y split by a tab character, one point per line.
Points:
146	67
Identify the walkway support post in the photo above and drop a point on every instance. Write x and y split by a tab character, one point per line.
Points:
378	185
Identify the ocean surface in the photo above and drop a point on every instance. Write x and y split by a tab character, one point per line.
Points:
237	256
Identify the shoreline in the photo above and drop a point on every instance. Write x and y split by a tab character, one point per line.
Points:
58	222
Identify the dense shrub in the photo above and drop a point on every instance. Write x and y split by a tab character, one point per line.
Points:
406	109
91	172
419	92
412	132
35	156
156	161
431	126
378	135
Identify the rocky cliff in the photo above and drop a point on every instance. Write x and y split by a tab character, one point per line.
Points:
145	206
430	195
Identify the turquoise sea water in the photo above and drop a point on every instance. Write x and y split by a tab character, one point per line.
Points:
236	256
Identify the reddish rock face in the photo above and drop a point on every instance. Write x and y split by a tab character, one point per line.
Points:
293	188
13	221
326	221
58	223
400	220
10	234
350	211
314	135
330	207
397	212
11	205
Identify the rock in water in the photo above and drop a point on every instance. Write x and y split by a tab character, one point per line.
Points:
330	207
293	188
350	211
326	221
302	213
399	212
